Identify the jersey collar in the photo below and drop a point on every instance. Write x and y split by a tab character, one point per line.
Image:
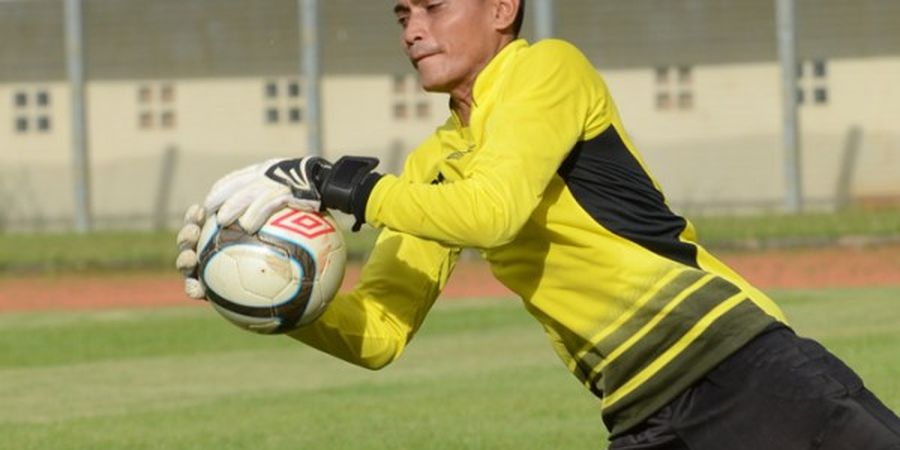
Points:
486	78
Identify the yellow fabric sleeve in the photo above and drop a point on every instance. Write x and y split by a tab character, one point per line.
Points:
545	101
371	325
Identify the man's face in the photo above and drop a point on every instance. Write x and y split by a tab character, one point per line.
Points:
447	41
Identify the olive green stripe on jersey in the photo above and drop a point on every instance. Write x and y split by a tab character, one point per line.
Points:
719	334
684	342
668	285
642	325
678	322
579	368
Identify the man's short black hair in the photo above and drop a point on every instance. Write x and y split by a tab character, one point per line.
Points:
520	17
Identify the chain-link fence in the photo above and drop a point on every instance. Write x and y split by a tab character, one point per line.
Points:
179	92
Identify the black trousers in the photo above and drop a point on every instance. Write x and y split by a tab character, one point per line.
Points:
778	392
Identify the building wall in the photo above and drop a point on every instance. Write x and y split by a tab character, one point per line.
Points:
720	150
726	150
214	125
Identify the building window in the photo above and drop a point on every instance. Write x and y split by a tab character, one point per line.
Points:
662	75
820	69
674	94
283	102
294	89
31	110
295	115
684	74
155	105
423	109
408	99
20	99
399	83
271	89
663	101
167	93
272	115
686	100
145	94
43	124
812	79
145	120
42	98
167	119
820	95
21	124
400	111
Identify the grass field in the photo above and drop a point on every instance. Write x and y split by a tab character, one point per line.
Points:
155	250
479	376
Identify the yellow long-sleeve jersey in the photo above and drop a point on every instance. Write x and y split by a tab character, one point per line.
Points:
545	181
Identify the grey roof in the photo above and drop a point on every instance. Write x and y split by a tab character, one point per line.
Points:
31	41
650	32
132	39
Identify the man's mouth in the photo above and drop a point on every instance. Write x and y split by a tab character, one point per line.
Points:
417	58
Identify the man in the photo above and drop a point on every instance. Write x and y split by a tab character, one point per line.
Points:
534	168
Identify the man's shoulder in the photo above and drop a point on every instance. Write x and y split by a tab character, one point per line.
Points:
554	50
546	62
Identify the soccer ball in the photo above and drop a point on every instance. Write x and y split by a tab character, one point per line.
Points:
278	279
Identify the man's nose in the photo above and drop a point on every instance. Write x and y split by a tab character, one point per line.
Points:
415	30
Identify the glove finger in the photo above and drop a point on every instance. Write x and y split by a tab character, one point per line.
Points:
194	288
263	207
188	236
228	185
195	214
186	263
226	188
238	203
304	205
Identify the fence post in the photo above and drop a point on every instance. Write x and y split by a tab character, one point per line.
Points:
309	57
544	19
852	146
164	190
787	51
75	71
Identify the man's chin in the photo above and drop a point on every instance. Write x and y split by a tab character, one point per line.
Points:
430	84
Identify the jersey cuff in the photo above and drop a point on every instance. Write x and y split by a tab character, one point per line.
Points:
361	198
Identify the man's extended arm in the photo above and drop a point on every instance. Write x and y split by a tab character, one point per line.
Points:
371	325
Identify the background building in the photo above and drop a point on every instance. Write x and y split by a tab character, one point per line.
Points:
181	91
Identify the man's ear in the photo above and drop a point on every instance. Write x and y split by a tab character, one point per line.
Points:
505	14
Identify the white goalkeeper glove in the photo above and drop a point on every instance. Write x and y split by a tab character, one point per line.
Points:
251	195
187	251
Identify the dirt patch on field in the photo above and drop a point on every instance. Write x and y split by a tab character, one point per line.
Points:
812	268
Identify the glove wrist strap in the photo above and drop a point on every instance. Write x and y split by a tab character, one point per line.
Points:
348	186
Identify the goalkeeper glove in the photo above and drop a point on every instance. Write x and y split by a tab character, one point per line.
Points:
251	195
187	251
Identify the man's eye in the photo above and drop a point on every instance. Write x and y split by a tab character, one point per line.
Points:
434	6
402	21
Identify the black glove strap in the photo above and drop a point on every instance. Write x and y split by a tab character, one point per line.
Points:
348	186
361	198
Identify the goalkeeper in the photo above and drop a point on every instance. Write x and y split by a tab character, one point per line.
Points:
535	169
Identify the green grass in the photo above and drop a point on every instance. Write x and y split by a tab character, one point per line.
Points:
480	375
795	230
144	250
96	251
111	251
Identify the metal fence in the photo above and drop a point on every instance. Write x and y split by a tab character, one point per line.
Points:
178	92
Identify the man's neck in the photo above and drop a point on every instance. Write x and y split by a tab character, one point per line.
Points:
462	106
461	97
